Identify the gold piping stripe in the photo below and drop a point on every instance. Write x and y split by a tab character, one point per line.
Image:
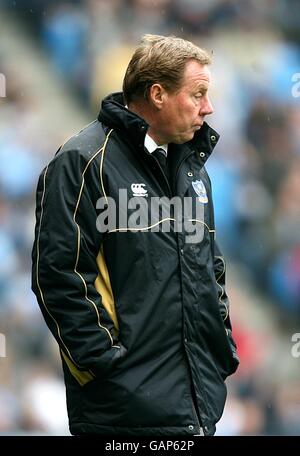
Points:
222	289
141	229
103	286
155	224
78	237
82	377
203	223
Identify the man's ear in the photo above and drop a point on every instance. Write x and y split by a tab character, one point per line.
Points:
157	95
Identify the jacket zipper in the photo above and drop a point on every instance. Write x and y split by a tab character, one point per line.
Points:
177	172
197	419
200	429
165	177
192	394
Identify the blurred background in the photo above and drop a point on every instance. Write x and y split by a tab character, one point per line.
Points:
57	60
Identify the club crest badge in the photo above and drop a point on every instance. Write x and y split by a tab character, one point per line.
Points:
200	189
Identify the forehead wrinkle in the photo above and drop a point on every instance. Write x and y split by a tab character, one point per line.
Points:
199	81
199	86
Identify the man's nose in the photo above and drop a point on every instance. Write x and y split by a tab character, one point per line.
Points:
207	107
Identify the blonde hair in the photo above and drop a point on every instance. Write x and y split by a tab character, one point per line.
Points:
159	59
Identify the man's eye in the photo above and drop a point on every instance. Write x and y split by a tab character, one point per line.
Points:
199	95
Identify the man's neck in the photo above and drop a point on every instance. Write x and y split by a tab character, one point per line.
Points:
144	111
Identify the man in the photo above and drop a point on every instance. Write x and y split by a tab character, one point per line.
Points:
138	307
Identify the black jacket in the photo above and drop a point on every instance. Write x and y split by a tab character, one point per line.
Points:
140	314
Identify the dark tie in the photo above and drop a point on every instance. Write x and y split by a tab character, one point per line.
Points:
161	156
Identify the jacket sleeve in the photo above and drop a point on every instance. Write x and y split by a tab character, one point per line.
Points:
64	257
220	271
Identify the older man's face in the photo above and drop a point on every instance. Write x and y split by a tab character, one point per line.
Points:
183	112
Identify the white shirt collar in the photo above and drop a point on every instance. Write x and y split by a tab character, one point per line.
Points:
151	145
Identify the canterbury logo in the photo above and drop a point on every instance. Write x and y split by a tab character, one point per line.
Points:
138	190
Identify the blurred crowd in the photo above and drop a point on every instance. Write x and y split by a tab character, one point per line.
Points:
255	172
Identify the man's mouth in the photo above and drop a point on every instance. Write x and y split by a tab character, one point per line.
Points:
199	125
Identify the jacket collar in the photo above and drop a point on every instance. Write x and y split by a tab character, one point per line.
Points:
115	115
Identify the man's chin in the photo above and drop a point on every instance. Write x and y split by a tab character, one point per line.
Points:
184	138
